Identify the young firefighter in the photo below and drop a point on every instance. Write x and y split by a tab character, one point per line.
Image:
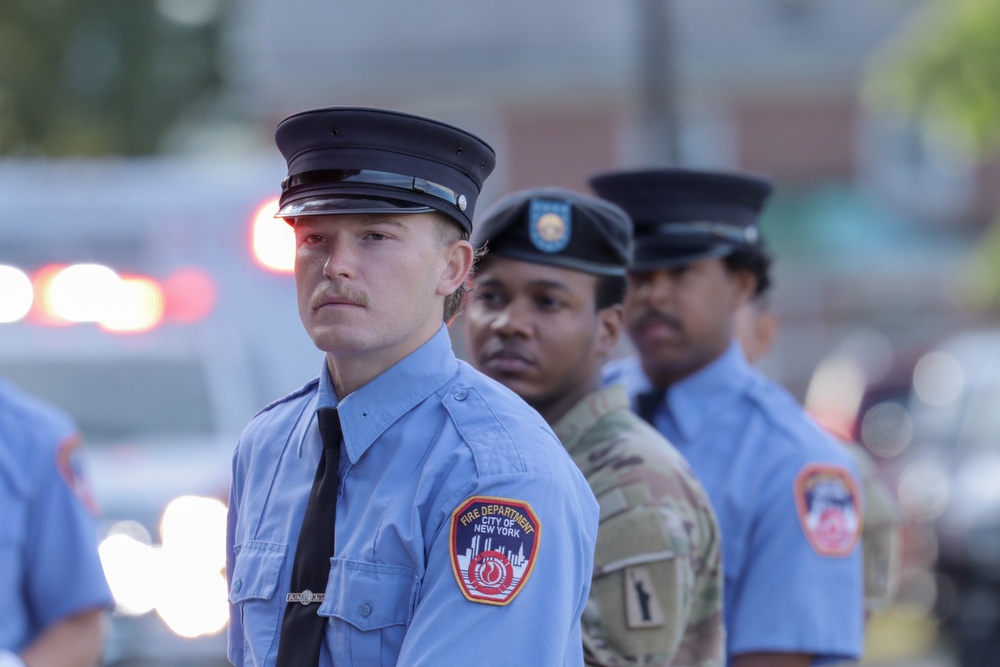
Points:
400	509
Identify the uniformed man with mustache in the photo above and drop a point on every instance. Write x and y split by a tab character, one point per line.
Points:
401	508
786	495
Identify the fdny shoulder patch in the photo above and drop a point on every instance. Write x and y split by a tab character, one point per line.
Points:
829	508
68	461
494	542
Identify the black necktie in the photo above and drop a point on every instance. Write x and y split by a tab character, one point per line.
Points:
647	402
302	628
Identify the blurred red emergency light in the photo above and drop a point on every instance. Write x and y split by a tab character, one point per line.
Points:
63	295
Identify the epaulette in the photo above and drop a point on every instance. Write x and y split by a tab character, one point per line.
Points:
304	389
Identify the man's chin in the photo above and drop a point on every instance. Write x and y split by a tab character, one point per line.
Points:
660	367
335	339
516	382
659	351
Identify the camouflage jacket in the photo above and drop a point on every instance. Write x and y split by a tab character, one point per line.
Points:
656	596
880	536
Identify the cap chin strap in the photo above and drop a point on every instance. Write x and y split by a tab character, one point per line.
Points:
721	230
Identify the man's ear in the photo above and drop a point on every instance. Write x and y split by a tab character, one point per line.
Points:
610	323
458	263
744	285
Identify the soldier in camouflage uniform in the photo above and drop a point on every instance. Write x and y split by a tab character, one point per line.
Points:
545	315
880	535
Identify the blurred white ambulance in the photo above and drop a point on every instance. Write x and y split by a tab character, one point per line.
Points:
137	296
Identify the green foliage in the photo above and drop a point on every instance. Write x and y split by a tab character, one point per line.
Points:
980	278
99	77
945	64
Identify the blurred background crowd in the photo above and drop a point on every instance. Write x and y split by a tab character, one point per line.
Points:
146	289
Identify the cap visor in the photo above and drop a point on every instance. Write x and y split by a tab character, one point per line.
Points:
561	261
656	256
341	205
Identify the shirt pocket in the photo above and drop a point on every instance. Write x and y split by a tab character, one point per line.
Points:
370	606
256	571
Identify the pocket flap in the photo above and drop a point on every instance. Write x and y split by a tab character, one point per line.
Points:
256	570
370	595
637	537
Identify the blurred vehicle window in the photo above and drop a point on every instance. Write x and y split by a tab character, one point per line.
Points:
122	399
134	303
951	478
980	423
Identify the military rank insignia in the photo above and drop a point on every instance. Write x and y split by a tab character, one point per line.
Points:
494	542
550	224
829	508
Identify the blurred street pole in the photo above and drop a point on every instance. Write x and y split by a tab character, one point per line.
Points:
657	83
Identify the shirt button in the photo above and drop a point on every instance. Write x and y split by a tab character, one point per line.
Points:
237	585
461	395
365	609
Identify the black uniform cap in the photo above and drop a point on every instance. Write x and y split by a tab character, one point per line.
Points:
682	215
345	160
558	227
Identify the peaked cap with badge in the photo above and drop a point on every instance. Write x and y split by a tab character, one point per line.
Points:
354	160
558	227
684	215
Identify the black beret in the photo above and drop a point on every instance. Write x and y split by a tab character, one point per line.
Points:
558	227
683	215
366	160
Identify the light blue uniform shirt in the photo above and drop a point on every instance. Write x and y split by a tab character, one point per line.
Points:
748	441
424	439
49	568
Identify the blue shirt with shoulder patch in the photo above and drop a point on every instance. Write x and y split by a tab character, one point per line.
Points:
424	439
748	441
49	567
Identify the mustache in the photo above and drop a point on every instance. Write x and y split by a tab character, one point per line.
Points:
338	292
654	316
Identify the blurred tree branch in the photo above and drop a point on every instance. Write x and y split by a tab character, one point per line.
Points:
97	77
944	63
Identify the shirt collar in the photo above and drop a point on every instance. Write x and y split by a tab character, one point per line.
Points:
368	411
582	417
722	379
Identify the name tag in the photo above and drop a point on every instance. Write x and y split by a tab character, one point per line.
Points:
305	597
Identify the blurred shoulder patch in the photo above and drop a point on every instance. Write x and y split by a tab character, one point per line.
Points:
69	462
829	508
